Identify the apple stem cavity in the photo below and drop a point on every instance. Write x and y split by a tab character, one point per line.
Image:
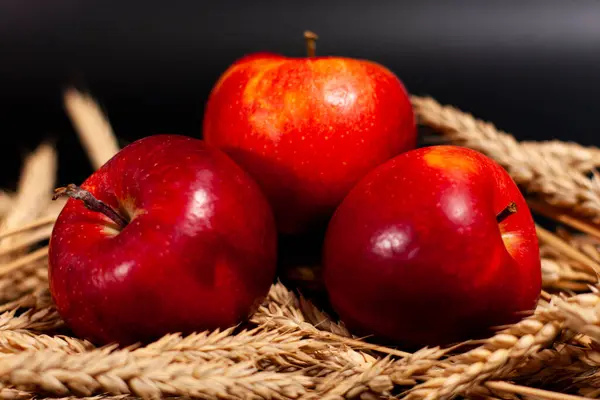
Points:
509	210
91	203
311	43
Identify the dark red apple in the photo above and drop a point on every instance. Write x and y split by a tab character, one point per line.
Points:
177	238
307	129
427	249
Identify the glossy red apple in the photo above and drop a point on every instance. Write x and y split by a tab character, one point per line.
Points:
307	129
190	244
426	250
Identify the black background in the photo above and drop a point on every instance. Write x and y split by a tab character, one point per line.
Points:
531	67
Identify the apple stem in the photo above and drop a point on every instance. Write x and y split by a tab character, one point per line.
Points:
91	203
509	210
311	43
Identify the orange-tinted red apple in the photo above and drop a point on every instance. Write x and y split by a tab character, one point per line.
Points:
307	129
425	250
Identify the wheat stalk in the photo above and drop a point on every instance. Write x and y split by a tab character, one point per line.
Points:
567	250
282	350
35	187
7	202
588	245
539	172
301	309
7	393
560	272
494	360
321	319
38	299
16	341
565	367
38	320
22	282
527	392
355	382
582	158
561	276
97	397
563	216
566	364
580	313
92	127
24	260
38	223
379	379
29	240
122	372
272	349
27	271
20	273
281	310
275	347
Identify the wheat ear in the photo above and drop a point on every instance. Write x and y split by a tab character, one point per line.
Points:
272	349
37	320
580	313
582	158
281	310
121	372
491	361
33	195
7	202
379	379
7	393
563	273
92	127
16	341
22	282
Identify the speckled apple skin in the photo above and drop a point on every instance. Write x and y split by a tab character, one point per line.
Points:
414	254
199	252
307	129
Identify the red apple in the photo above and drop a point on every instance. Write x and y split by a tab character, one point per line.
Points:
177	238
426	250
307	129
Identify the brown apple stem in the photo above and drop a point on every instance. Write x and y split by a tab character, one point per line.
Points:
91	203
509	210
311	43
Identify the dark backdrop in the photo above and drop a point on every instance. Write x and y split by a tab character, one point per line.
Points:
531	67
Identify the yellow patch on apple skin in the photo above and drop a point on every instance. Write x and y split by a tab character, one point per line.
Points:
267	122
254	64
449	160
266	117
328	65
257	87
511	241
289	100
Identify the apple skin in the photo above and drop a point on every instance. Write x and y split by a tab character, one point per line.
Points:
414	254
307	129
199	252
